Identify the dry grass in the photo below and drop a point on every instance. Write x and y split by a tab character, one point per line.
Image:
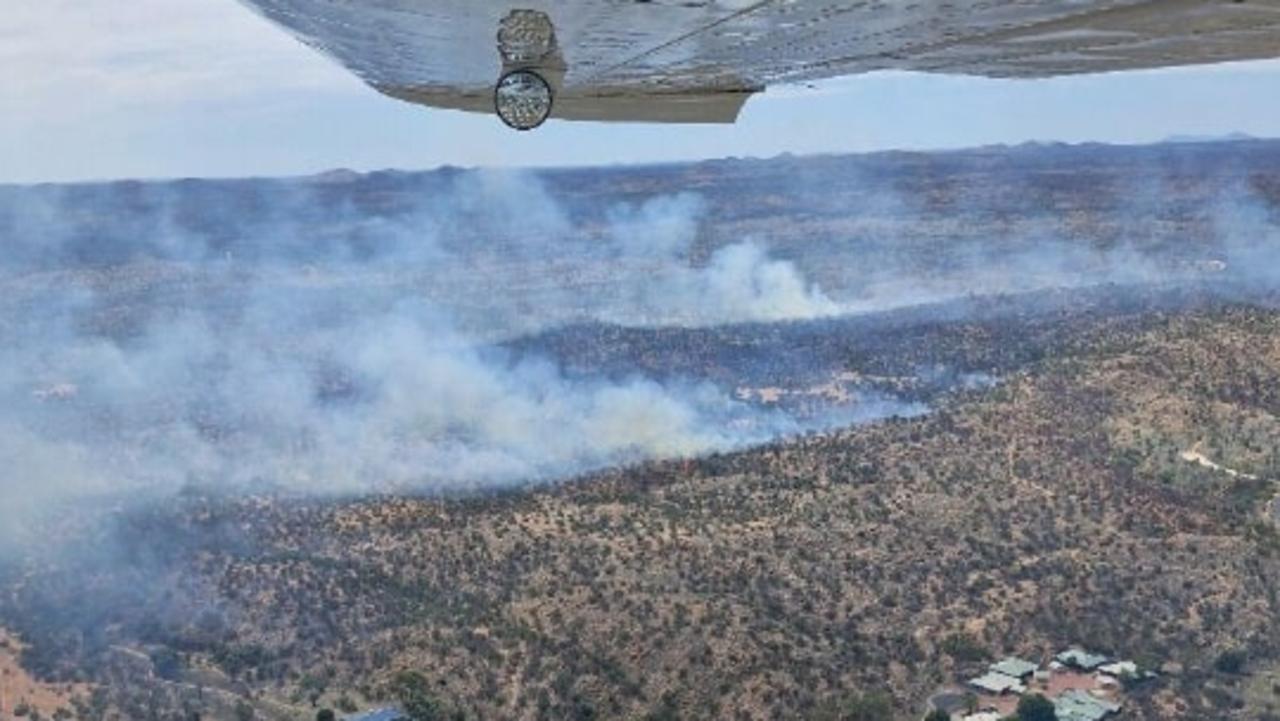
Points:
19	690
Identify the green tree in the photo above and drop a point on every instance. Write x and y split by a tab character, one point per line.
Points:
413	691
326	714
167	663
1036	708
1230	662
963	647
313	687
666	710
866	707
937	715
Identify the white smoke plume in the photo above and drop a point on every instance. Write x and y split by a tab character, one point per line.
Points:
273	358
296	337
741	282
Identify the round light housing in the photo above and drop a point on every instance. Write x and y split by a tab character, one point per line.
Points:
525	36
522	99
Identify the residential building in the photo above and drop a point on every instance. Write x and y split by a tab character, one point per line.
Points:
1082	706
997	684
1015	667
1081	659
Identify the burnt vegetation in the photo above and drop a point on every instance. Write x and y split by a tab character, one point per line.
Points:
1061	500
855	570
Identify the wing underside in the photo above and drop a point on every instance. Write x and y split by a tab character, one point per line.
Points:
691	60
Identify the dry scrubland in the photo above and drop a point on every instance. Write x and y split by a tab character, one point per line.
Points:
806	579
789	581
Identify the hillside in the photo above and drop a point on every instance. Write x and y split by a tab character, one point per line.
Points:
778	582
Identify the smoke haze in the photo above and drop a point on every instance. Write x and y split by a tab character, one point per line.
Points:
266	357
296	338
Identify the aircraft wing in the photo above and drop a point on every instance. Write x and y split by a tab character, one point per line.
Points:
698	60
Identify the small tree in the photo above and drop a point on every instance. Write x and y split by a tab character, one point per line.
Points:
167	663
965	648
1230	662
937	715
326	714
414	693
313	687
1036	708
870	707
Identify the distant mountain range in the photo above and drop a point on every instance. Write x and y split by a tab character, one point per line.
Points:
1229	137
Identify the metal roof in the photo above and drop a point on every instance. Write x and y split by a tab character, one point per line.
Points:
1120	668
1081	659
1015	667
997	683
1080	706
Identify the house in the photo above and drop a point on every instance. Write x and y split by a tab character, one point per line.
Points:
997	684
1119	669
382	714
1014	667
1080	659
1078	705
983	716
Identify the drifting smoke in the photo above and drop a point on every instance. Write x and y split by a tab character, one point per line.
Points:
739	283
391	400
292	335
264	355
742	283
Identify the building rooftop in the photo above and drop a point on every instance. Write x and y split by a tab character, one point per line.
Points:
1081	659
1015	667
997	683
1120	668
1080	706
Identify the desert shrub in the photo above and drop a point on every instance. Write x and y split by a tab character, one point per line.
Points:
963	647
1036	708
1230	661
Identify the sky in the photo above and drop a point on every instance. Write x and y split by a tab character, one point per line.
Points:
103	89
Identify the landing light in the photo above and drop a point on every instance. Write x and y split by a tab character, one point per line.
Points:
522	99
525	37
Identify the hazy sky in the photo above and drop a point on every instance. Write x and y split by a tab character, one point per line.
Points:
162	88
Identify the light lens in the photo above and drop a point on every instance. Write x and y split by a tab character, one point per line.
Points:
522	99
525	36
